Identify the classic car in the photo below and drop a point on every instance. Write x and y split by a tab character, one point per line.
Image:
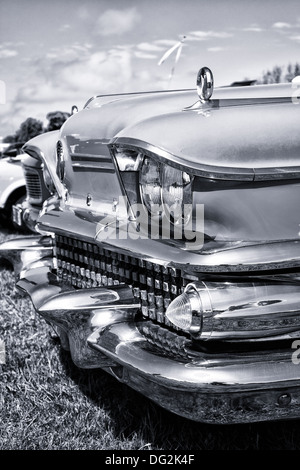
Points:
169	253
12	184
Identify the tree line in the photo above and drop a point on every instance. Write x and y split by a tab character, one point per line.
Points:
280	74
32	127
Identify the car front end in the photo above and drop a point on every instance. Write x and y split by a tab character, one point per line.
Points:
169	254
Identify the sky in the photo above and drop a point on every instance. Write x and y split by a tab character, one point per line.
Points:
55	54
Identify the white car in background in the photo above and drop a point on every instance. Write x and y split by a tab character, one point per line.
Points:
12	184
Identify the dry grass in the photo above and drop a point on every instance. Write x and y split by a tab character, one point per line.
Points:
49	404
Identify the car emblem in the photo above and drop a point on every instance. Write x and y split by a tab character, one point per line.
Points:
205	84
88	199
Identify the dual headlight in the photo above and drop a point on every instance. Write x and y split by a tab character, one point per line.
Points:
164	189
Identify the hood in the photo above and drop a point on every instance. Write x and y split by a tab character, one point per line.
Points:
248	131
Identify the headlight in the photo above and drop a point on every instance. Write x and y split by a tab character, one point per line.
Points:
176	194
164	189
128	160
150	184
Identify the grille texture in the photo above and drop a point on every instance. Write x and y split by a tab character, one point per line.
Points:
33	186
85	265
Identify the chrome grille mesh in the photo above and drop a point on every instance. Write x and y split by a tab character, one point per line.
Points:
33	186
170	342
86	265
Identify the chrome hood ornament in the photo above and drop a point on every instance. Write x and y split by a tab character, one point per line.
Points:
205	84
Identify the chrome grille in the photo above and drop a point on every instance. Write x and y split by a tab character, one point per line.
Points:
85	265
33	186
171	343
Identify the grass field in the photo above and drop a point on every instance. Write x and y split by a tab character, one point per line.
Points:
48	404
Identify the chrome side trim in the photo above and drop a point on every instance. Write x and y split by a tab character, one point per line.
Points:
92	162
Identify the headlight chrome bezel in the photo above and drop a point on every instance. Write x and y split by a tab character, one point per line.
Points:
60	161
137	160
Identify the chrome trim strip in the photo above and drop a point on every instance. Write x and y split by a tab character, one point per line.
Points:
89	158
230	102
207	171
90	167
137	93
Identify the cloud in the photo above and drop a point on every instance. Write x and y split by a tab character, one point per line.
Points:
83	12
7	53
144	55
64	27
63	55
281	25
295	38
165	42
71	75
117	22
215	49
149	47
147	50
206	35
253	29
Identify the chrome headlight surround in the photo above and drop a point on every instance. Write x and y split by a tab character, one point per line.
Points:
60	161
164	189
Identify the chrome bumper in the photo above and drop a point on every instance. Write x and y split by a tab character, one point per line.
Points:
26	252
100	328
24	215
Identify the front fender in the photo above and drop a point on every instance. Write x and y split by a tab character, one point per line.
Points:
43	148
